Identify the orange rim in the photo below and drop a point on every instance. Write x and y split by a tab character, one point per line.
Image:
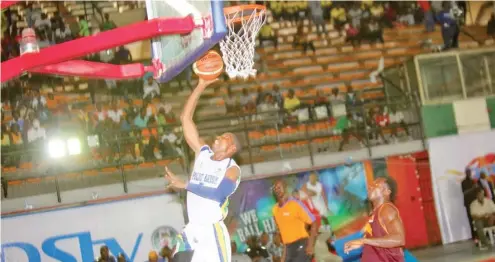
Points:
238	8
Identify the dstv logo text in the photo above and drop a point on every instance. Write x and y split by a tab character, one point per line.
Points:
67	248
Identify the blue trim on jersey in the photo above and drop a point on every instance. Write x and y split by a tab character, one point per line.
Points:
205	148
219	194
311	216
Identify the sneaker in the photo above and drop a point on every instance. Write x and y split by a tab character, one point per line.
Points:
483	247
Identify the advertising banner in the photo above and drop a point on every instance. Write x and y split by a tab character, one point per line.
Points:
250	208
131	227
449	158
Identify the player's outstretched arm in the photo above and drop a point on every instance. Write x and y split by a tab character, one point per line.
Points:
189	128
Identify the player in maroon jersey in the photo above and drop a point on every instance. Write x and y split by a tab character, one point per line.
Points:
384	233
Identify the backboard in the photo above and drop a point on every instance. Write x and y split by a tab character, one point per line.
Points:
176	52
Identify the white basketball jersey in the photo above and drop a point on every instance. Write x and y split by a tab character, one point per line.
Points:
208	173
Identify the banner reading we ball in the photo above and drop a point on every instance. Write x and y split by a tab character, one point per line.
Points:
250	208
449	157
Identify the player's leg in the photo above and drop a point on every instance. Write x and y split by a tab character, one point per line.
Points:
221	239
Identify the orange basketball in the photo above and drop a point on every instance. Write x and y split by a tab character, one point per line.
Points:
209	67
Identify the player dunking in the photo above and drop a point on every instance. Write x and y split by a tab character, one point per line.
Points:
214	178
384	235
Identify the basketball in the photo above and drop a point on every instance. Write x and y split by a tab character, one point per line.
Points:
209	67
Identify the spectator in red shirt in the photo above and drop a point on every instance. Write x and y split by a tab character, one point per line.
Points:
382	120
390	15
428	15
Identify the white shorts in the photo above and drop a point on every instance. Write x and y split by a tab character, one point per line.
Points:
210	243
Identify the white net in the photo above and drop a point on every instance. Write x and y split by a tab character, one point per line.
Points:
238	46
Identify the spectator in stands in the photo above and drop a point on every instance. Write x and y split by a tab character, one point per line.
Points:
123	56
302	39
170	115
43	41
377	11
450	29
397	121
335	97
100	115
115	113
487	186
29	15
349	126
277	10
236	256
36	133
320	97
406	13
5	143
381	121
268	105
338	16
38	100
141	121
16	143
490	27
355	15
166	253
352	35
291	102
83	27
62	34
108	24
316	11
428	15
276	248
153	257
255	251
483	214
267	34
246	101
151	88
121	258
105	255
43	24
17	120
260	95
390	15
373	32
56	21
277	96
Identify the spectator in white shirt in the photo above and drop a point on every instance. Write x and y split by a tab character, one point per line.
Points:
151	88
63	34
100	114
39	100
43	23
483	214
115	113
36	132
396	121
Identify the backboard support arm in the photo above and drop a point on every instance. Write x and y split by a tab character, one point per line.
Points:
91	44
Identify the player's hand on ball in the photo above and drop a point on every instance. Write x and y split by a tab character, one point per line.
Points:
206	83
173	180
351	245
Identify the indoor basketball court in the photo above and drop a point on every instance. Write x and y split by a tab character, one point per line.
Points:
180	31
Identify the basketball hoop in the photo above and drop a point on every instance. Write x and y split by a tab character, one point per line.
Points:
238	46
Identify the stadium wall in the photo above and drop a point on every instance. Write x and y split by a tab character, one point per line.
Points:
449	157
131	227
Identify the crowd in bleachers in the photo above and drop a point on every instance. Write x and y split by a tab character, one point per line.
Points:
130	118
